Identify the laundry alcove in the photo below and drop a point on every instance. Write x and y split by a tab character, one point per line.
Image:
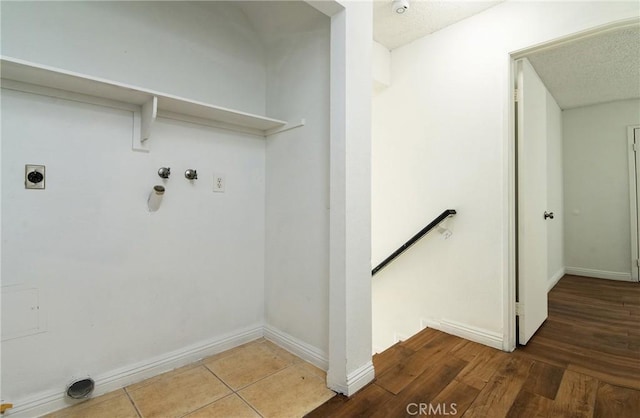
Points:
240	88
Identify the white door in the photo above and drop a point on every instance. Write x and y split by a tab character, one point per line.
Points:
634	195
532	201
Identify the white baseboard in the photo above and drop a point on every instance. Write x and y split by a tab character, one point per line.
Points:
553	280
301	349
49	401
428	323
356	380
397	337
468	332
599	274
359	378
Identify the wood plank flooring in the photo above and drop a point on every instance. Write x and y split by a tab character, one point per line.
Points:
583	362
593	328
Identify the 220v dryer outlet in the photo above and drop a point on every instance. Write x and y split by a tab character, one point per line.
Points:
34	176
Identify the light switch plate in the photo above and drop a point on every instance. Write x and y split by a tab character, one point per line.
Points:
34	176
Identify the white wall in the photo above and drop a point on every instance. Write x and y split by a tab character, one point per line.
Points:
119	286
441	140
297	172
596	184
381	70
555	193
204	51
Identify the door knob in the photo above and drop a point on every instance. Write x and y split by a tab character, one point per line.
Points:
548	215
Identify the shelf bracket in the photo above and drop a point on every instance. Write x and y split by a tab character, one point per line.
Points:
143	121
287	127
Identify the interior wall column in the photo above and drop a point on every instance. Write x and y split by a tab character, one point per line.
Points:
350	334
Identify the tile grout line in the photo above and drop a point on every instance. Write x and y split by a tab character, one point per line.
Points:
249	404
264	377
219	378
219	399
261	379
252	383
237	392
132	402
205	406
162	376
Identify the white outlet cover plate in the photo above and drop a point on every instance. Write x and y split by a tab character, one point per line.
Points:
219	183
29	168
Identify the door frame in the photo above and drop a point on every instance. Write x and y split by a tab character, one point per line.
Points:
633	137
509	288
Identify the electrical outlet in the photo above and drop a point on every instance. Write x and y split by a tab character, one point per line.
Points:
219	183
34	176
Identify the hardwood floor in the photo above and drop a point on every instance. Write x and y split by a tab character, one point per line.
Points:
593	328
583	362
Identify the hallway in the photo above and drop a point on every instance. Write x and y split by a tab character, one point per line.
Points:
593	328
583	362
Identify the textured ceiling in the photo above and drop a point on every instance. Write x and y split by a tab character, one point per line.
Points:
423	17
597	69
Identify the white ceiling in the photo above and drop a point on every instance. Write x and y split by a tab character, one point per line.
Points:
596	69
423	17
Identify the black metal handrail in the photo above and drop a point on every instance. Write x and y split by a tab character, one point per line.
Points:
444	215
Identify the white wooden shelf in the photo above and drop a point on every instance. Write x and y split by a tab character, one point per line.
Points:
21	75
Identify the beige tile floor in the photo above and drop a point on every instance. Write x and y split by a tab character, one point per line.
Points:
258	379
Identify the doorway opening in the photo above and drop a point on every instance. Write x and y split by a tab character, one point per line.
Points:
574	199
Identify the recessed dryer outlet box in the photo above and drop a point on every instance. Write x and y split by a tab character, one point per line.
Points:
34	176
